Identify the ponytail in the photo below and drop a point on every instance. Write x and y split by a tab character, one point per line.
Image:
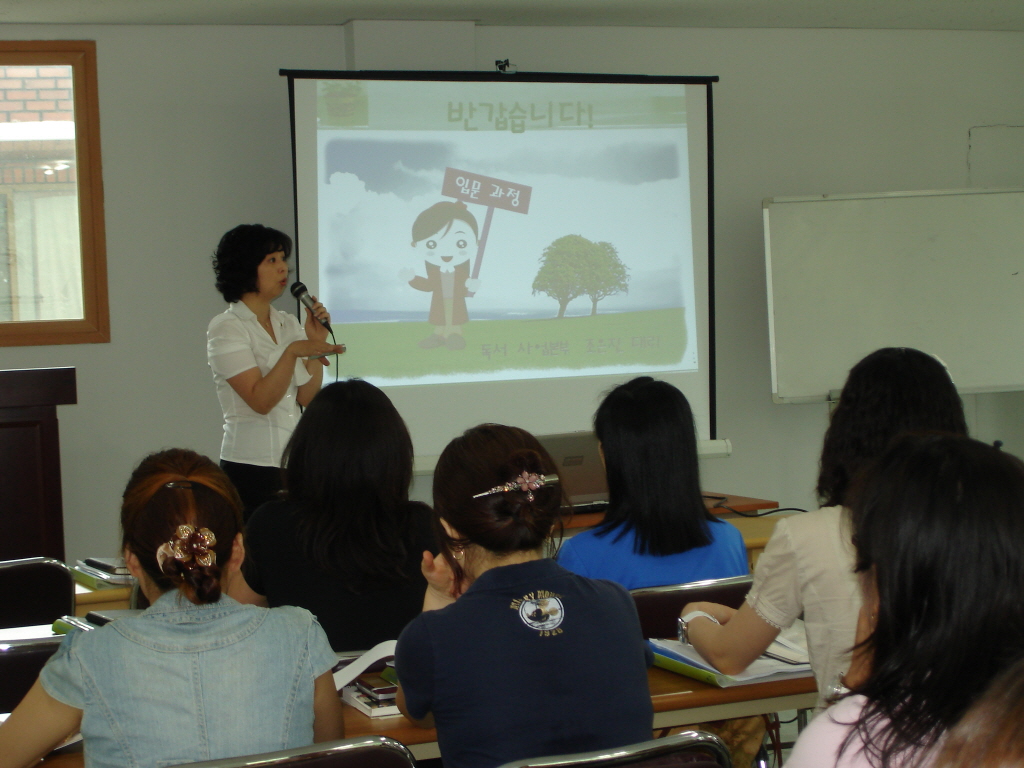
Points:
180	516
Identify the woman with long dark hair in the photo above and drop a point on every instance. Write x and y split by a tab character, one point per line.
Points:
807	567
657	529
938	526
513	656
345	542
196	676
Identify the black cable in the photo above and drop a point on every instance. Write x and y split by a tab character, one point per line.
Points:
764	513
337	364
337	355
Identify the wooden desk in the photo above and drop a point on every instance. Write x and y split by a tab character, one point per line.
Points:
106	599
677	700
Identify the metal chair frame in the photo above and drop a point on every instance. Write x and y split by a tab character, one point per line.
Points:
635	754
322	753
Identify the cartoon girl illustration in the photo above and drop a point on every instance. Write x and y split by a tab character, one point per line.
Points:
442	233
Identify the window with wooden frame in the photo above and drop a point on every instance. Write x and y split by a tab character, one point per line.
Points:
53	269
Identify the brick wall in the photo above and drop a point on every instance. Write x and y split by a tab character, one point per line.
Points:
31	95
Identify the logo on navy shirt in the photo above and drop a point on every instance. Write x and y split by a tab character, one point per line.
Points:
540	610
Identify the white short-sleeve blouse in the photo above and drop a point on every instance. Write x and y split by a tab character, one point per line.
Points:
236	342
807	568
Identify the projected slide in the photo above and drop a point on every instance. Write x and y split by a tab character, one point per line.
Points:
505	231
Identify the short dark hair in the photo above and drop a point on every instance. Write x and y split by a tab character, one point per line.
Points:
177	487
482	458
647	434
348	466
938	525
892	390
239	252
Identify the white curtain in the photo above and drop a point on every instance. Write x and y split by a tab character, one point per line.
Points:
49	257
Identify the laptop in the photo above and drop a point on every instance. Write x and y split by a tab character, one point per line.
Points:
580	468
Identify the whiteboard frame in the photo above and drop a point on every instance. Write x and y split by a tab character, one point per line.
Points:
771	289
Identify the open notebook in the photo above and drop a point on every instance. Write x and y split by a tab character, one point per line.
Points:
791	645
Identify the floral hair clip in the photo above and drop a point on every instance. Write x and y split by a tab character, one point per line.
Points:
190	547
528	482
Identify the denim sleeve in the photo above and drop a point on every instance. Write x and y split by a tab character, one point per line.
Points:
322	657
62	677
414	663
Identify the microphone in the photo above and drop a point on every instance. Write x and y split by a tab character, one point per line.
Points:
300	292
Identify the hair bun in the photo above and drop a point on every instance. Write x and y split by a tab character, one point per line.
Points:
524	460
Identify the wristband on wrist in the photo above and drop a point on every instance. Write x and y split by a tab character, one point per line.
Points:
683	622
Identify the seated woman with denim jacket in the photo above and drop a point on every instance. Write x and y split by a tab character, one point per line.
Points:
197	676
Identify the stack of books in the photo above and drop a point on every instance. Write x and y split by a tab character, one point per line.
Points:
373	693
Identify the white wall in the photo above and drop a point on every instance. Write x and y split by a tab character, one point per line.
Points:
195	140
802	112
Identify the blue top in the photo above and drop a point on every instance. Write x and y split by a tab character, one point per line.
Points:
530	661
182	683
613	557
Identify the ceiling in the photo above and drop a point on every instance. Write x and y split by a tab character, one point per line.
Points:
996	15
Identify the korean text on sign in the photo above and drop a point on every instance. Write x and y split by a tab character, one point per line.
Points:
496	193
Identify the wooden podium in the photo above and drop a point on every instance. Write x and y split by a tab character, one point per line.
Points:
31	511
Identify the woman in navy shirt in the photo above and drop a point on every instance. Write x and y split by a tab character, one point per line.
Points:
513	656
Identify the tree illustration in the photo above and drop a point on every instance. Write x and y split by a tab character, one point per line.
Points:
605	275
561	265
574	266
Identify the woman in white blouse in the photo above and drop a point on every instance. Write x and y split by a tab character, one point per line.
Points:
265	365
807	566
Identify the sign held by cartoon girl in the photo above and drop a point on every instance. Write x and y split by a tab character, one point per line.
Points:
447	234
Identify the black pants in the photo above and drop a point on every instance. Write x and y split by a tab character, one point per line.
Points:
255	485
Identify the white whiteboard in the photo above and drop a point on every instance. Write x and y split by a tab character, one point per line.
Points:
942	271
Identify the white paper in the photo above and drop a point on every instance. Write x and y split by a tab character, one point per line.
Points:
348	673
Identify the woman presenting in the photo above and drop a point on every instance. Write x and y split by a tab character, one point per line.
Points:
264	363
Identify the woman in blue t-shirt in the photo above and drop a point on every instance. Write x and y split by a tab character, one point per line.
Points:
657	530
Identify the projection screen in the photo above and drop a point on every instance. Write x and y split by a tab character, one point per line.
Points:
506	248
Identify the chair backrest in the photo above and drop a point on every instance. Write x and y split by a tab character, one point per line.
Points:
36	590
358	752
20	663
659	607
691	749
